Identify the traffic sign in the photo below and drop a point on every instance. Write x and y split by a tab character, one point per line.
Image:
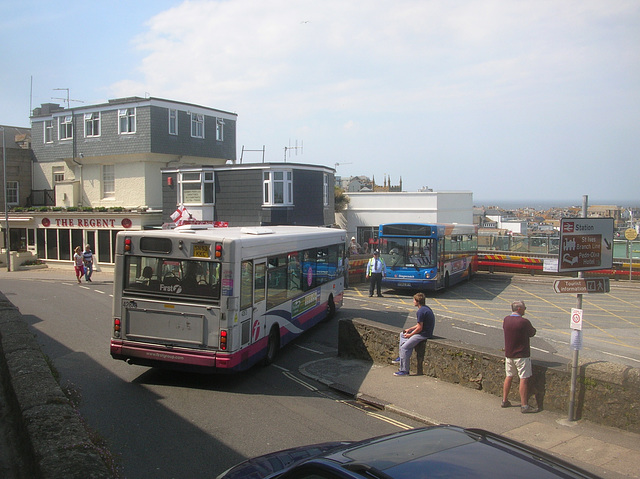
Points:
630	234
585	244
581	285
576	318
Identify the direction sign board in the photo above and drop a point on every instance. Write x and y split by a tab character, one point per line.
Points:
585	244
581	285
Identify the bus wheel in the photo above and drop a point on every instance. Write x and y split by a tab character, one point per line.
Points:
273	346
446	280
331	308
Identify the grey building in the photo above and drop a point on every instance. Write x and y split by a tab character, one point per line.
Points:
252	194
100	166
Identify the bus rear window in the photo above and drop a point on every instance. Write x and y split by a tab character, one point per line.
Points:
171	277
155	245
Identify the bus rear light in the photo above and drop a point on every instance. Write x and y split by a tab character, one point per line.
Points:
223	340
127	245
218	250
116	327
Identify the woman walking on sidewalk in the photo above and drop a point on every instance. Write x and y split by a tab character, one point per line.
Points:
78	262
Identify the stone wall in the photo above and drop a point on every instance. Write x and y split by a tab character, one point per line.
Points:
606	393
54	442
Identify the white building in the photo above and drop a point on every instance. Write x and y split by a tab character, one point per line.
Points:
367	210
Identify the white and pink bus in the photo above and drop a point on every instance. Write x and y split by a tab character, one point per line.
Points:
221	299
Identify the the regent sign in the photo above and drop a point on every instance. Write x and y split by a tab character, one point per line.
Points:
108	223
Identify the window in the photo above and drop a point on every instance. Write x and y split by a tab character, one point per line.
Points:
126	120
12	192
92	124
197	188
246	284
65	127
108	181
48	131
219	129
197	125
173	122
325	190
58	174
277	187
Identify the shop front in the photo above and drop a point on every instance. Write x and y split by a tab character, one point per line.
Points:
53	235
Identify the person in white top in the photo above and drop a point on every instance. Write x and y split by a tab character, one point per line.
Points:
78	262
376	270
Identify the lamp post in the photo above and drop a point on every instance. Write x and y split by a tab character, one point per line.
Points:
6	211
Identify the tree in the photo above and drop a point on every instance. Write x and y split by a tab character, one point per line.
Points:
341	199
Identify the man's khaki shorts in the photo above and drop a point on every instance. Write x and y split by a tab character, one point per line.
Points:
520	365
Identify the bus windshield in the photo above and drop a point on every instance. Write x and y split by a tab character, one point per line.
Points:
172	277
411	252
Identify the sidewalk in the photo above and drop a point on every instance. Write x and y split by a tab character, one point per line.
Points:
607	452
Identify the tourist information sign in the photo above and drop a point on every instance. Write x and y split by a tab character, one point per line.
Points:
585	244
581	285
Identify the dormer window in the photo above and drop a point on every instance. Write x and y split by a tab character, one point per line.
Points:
277	187
126	121
197	125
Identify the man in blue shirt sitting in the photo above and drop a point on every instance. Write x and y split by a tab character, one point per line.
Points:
410	338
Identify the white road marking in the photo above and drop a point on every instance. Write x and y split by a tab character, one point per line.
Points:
542	350
622	357
309	349
469	331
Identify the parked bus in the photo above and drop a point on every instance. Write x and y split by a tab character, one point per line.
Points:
428	256
221	299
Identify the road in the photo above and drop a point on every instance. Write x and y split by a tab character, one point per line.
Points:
168	425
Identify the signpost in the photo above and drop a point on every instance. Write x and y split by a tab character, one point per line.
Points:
585	244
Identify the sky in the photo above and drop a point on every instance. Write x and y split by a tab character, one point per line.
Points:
515	101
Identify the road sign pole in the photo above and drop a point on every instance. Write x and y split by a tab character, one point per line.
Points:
574	363
630	261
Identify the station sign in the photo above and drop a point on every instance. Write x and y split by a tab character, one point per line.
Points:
585	244
630	234
581	285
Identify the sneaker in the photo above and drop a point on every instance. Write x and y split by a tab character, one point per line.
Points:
396	360
401	373
380	296
505	404
528	409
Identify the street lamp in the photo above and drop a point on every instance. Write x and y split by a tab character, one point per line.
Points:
6	211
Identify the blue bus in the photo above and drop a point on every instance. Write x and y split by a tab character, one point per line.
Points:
427	256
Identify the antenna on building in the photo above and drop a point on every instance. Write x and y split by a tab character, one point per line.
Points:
243	150
68	100
289	148
338	164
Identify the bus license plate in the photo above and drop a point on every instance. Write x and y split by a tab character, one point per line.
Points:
406	285
201	250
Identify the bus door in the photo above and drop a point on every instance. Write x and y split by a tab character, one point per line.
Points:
440	261
258	326
253	300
